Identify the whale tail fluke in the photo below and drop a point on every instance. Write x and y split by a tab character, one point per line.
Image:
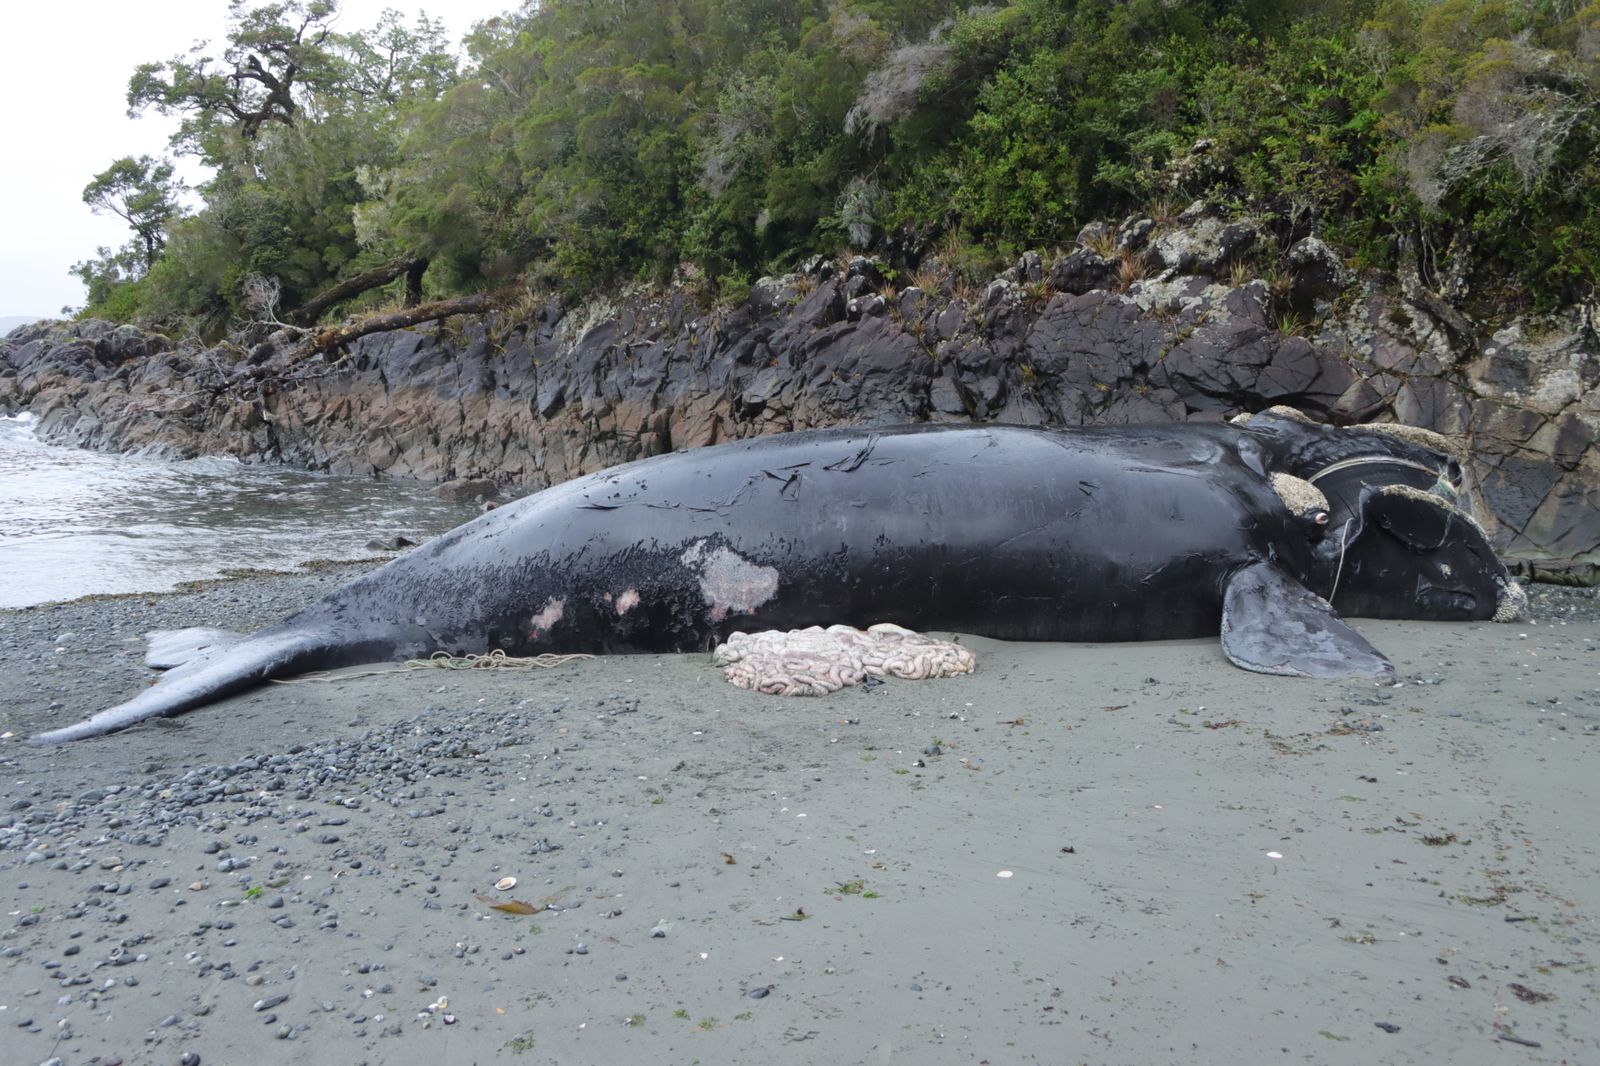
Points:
168	648
219	665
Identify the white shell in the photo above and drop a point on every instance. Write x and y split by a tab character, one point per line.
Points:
506	884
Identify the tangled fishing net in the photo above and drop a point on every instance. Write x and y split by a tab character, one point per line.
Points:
817	661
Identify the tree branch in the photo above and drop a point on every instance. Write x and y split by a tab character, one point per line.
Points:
308	312
328	339
279	103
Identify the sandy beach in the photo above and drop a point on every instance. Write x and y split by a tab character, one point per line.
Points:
1116	854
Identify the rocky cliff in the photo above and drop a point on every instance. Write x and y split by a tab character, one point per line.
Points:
1135	324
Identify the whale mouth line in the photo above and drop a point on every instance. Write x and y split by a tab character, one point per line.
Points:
1453	600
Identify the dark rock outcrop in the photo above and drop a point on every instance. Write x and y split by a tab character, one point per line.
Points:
565	391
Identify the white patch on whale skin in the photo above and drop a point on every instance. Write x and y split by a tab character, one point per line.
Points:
168	648
730	582
548	616
627	601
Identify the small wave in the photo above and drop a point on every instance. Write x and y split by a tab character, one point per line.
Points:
158	452
83	522
18	428
216	464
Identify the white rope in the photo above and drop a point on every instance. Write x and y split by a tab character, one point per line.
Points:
443	660
1344	542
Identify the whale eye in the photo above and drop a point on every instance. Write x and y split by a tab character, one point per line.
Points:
1320	518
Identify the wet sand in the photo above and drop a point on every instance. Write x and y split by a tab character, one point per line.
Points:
1103	854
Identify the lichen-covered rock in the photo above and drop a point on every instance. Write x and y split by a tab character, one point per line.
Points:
1316	270
1205	245
1082	271
468	488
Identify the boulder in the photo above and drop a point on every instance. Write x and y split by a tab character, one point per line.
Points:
1316	271
1081	271
464	489
1203	245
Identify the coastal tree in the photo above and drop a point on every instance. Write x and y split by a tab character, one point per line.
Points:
110	281
144	193
589	143
290	112
275	54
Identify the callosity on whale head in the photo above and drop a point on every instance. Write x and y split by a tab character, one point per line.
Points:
1414	554
1401	540
1012	532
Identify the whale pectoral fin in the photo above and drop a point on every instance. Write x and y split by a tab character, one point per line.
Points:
166	648
1272	624
205	679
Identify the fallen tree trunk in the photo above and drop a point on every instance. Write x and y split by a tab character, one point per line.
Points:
409	265
329	339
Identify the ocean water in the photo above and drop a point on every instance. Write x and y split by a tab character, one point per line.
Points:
75	523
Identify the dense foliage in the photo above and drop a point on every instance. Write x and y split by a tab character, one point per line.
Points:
581	144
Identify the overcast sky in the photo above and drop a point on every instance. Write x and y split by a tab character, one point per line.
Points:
64	81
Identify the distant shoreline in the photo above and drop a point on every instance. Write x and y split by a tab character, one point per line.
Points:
11	322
